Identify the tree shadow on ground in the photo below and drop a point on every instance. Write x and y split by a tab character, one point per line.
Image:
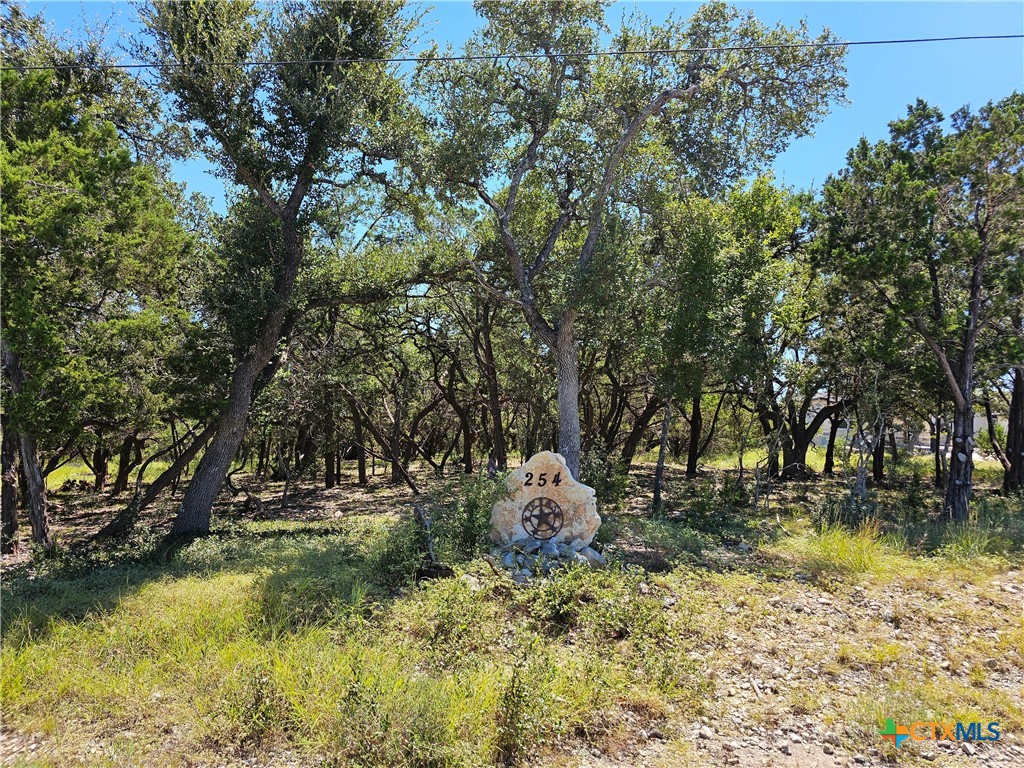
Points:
308	567
707	522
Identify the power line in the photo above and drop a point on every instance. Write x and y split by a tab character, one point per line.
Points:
505	56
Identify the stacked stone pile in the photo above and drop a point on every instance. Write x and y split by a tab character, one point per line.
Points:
537	558
547	521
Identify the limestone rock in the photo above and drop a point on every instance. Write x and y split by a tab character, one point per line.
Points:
545	504
549	549
595	558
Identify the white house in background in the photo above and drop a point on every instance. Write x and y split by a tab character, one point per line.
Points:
907	438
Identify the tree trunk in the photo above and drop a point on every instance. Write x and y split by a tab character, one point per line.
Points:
360	451
961	456
798	435
1013	477
8	491
531	436
391	453
961	463
357	427
636	434
395	441
305	450
830	450
939	481
284	469
990	420
38	515
330	478
494	406
659	470
33	487
878	460
263	459
169	475
769	422
567	361
194	514
127	517
100	465
195	510
794	457
124	465
467	443
696	426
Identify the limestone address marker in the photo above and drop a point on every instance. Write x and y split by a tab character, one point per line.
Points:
545	505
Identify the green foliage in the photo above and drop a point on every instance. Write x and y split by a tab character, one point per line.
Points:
283	635
902	521
395	559
835	552
985	439
681	271
923	230
852	510
517	711
264	124
332	596
603	605
964	542
92	248
679	541
463	521
995	527
605	475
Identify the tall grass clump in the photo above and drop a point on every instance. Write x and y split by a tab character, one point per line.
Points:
962	542
995	527
835	551
852	510
464	517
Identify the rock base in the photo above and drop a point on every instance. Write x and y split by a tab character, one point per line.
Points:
540	558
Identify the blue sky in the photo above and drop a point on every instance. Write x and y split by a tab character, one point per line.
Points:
882	79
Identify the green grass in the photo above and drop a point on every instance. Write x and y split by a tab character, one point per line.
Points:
77	470
271	639
837	552
986	471
311	636
815	459
678	540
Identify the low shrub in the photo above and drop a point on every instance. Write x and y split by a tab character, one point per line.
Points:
676	539
852	510
463	519
395	559
605	475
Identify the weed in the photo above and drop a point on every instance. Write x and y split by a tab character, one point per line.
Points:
604	474
853	510
395	559
516	715
464	517
835	551
603	605
678	540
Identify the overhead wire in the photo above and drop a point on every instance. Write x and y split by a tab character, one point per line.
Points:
505	56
